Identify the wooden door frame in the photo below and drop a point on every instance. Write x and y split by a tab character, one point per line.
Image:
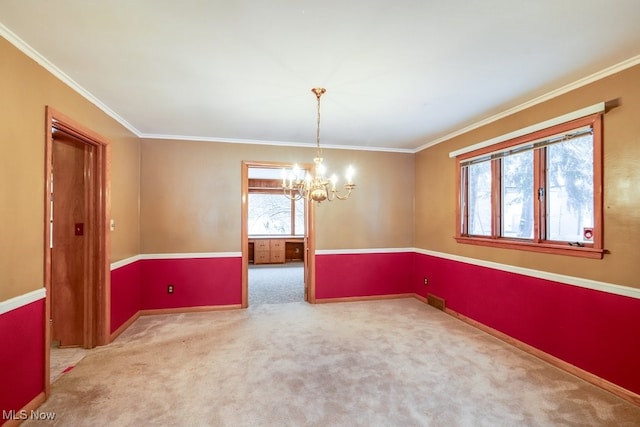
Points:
310	246
99	292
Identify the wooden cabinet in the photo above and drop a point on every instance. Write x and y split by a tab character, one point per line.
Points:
261	251
294	250
267	251
275	251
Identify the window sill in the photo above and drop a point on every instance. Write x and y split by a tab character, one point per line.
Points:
549	248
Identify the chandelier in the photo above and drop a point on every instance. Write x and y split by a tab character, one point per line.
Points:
298	184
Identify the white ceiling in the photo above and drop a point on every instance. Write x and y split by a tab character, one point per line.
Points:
399	74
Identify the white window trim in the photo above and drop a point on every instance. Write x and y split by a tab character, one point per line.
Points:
583	112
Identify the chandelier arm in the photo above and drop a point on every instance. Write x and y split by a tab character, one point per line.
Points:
349	188
291	194
331	194
345	197
304	192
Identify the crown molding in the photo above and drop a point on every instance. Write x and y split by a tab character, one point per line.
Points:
272	143
583	112
49	66
23	47
621	66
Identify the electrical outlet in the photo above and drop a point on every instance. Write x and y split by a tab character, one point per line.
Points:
169	289
426	281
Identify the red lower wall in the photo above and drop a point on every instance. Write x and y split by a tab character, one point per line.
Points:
21	356
126	294
197	282
365	274
596	331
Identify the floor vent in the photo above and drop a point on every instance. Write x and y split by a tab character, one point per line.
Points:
436	302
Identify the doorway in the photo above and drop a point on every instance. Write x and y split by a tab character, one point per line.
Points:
276	248
76	237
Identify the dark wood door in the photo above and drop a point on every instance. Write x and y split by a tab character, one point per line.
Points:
69	251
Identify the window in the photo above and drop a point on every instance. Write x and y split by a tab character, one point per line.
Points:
271	214
539	192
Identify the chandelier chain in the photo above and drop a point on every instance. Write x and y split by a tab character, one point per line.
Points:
318	92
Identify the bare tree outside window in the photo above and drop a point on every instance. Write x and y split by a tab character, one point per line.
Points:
570	189
270	214
517	195
479	199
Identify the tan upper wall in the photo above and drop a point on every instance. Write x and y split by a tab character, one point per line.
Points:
190	191
436	192
26	88
191	196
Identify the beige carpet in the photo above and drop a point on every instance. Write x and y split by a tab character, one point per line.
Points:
379	363
62	360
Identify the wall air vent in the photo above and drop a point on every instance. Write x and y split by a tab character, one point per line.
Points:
436	302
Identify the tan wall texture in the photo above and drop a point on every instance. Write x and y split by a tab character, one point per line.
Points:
436	192
179	197
25	89
191	196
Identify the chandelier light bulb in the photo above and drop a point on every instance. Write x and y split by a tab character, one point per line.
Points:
334	181
350	173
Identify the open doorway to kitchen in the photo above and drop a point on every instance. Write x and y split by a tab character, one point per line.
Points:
277	239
